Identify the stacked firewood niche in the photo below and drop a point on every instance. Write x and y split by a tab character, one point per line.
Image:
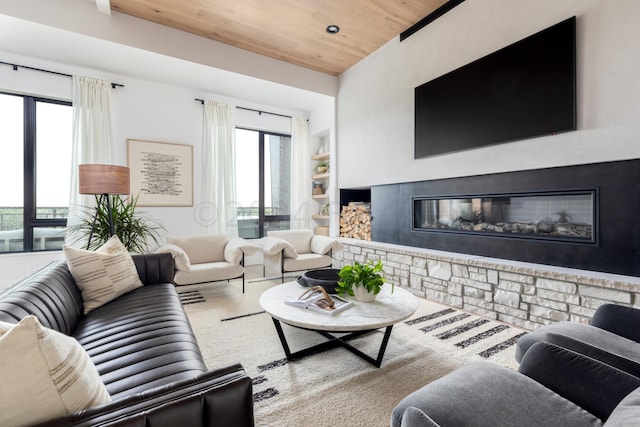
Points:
355	221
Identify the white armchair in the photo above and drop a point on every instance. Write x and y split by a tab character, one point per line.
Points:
296	250
207	258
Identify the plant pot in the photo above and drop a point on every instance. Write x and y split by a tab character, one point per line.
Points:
363	295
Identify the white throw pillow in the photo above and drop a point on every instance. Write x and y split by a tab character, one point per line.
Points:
180	258
102	275
45	375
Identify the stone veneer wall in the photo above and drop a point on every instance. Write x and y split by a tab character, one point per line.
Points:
521	294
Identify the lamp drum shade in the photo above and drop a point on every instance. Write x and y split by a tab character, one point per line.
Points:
103	179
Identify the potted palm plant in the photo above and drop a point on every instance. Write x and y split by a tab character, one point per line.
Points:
364	281
136	231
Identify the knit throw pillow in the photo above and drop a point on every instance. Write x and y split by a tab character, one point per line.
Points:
45	374
102	275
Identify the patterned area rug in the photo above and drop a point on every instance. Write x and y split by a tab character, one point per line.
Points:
329	388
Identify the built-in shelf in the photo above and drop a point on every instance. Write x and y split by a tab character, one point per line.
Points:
323	198
318	157
320	176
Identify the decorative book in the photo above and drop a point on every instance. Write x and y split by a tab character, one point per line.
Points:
319	301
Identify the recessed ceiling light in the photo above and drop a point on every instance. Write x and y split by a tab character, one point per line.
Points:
332	29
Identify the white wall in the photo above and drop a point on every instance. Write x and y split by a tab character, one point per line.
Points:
375	97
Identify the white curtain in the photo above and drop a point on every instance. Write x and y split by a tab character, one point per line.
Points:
219	170
300	173
92	137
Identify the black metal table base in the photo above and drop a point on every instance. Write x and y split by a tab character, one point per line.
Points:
333	342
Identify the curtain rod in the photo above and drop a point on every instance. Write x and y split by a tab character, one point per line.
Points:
16	66
201	101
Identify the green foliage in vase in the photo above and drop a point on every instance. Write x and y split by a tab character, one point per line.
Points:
136	231
368	275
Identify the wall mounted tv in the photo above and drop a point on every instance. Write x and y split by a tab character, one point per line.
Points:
524	90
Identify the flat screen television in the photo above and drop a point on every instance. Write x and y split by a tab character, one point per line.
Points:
524	90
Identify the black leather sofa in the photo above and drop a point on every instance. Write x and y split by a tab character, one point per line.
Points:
143	347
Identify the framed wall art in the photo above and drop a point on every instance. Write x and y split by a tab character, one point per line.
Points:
161	173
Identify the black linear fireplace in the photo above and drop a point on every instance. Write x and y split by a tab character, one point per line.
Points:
584	216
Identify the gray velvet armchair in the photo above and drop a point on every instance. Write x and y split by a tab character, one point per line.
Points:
552	387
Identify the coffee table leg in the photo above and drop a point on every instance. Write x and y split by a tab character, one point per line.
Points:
283	340
333	343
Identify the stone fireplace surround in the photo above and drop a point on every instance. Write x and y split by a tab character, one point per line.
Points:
523	282
521	294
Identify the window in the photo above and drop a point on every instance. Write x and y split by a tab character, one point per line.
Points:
263	182
36	137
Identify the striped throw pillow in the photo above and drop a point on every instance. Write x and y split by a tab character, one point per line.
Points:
45	374
102	275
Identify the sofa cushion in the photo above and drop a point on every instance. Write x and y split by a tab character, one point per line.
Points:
104	274
299	239
414	417
141	340
591	335
627	413
45	374
201	248
180	258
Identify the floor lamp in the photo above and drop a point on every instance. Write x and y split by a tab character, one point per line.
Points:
103	180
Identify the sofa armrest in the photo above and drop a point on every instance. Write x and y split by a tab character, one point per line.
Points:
222	397
236	248
618	319
590	384
154	268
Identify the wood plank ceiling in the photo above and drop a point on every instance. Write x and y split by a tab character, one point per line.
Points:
290	30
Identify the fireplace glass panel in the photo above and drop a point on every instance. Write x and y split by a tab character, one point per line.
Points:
549	216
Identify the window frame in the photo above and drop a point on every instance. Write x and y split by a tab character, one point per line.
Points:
29	214
262	217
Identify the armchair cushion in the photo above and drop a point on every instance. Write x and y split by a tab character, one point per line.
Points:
236	248
180	258
45	374
102	275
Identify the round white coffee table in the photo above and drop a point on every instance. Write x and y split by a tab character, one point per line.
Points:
364	317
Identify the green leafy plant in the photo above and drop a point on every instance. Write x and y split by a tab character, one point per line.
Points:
322	166
136	232
367	275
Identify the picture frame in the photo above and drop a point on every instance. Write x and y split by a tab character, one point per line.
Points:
161	172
